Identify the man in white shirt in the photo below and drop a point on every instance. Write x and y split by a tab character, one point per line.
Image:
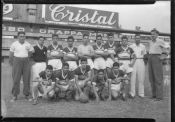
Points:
19	60
86	50
138	67
155	68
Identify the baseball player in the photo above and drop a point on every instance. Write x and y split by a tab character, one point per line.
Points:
55	53
44	84
125	55
100	54
64	82
118	86
111	46
70	54
82	76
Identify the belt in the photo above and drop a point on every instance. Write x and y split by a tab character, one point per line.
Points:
154	54
21	57
139	58
124	58
35	81
40	62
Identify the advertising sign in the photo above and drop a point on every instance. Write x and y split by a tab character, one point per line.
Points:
67	15
9	11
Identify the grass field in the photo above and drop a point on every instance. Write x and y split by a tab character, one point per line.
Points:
132	108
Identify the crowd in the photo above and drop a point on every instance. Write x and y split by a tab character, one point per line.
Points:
103	71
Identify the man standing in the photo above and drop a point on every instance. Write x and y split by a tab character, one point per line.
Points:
54	53
39	57
86	50
111	46
100	54
138	67
70	54
19	60
125	55
155	68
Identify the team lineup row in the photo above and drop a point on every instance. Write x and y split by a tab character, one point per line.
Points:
81	72
99	56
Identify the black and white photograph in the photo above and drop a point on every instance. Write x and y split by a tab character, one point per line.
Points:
86	61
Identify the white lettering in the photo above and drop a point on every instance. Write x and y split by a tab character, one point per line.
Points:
21	29
51	31
93	17
101	20
59	12
71	14
42	30
79	34
56	13
66	32
7	8
110	19
85	18
73	32
11	28
59	32
78	16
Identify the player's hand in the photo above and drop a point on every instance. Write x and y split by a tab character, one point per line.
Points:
126	81
117	80
27	48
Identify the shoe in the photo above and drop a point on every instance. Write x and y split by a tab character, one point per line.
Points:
13	99
35	102
28	99
131	97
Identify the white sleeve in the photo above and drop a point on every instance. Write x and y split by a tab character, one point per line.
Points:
79	49
92	49
31	48
144	49
161	43
12	47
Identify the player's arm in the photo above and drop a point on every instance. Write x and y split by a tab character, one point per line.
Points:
112	56
89	77
79	53
60	55
105	54
132	57
49	56
11	57
70	58
30	49
95	90
163	48
11	54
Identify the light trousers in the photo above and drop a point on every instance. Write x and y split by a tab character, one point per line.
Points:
138	74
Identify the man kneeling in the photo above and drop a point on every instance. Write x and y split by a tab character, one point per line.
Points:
83	79
44	84
101	86
118	81
65	82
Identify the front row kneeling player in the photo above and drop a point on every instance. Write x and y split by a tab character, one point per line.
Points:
101	86
118	80
82	77
44	84
64	86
